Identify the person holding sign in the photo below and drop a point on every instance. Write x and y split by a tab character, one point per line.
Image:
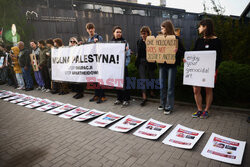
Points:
208	41
141	62
123	96
94	37
169	70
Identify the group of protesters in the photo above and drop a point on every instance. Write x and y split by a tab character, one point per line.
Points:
16	68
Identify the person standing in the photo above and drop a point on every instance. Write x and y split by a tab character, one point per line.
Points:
16	67
38	74
24	61
167	72
141	63
43	68
123	96
94	37
208	41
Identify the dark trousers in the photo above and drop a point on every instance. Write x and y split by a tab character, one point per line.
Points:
79	88
46	77
124	94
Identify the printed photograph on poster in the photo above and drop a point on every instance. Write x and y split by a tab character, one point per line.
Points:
30	101
105	119
21	99
183	137
16	96
73	113
199	68
61	109
50	106
42	102
224	149
152	129
6	94
88	115
127	123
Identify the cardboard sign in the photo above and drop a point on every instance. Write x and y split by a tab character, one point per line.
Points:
105	119
161	49
224	149
42	102
63	108
126	124
22	97
13	97
32	100
152	129
183	137
34	62
199	68
6	94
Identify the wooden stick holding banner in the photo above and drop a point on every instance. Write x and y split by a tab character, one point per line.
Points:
161	49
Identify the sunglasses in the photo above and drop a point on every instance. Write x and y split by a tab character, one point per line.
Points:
72	41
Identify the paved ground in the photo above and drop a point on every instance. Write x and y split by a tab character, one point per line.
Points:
32	138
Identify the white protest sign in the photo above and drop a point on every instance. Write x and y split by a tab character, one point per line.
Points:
18	100
126	124
16	96
39	103
61	109
183	137
49	106
30	101
77	111
6	94
105	119
199	68
99	62
152	129
88	115
224	149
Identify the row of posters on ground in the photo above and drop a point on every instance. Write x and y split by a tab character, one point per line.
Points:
218	147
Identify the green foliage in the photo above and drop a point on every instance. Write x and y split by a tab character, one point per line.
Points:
10	13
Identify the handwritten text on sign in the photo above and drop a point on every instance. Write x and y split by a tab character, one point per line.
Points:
199	68
161	49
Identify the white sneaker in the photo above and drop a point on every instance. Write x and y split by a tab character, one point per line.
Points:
117	102
19	88
43	89
47	90
125	103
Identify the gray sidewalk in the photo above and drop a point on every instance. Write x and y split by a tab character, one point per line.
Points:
32	138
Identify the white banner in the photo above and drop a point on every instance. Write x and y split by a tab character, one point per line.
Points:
224	149
183	137
49	106
99	62
61	109
42	102
126	124
88	115
73	113
105	119
152	129
199	68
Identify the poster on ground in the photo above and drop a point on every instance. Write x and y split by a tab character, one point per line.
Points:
199	68
42	102
50	106
73	113
105	119
30	101
127	123
152	129
183	137
16	96
224	149
61	109
21	99
95	62
6	94
89	115
26	98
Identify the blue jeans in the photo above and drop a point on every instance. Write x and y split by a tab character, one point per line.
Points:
27	77
39	79
167	94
